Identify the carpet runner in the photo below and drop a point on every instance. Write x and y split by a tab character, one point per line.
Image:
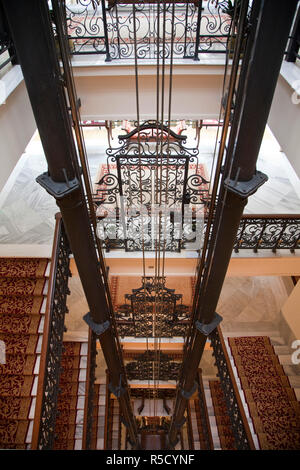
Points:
225	432
195	407
71	398
22	305
271	401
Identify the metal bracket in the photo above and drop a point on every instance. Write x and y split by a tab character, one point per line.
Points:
244	189
124	422
207	328
178	425
57	189
117	391
98	328
187	395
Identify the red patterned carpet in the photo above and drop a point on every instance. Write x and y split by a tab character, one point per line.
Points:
272	403
67	406
222	419
202	440
22	282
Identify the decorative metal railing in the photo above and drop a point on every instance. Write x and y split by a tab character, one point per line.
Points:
236	413
50	369
199	27
89	392
268	232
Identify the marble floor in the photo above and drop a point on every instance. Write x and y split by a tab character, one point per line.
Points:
27	211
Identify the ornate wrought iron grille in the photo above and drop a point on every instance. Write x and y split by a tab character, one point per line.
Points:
52	370
147	366
268	232
233	402
200	27
87	27
136	168
137	319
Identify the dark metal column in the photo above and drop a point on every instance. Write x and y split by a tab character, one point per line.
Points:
240	180
33	38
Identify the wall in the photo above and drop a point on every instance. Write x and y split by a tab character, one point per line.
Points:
109	92
284	121
290	312
17	126
252	265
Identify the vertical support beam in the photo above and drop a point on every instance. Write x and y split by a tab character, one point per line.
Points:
108	57
256	91
293	46
5	36
33	38
196	55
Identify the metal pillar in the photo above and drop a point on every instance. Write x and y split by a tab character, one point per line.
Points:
240	179
33	38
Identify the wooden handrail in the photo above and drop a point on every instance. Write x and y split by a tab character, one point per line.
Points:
206	416
271	216
189	427
236	391
42	369
107	409
87	393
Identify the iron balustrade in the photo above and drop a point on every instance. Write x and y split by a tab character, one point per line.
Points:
200	27
52	348
256	232
236	413
272	232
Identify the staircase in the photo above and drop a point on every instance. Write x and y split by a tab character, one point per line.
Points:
71	397
115	425
269	386
23	291
101	407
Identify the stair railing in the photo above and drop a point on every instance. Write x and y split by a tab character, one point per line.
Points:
205	424
52	346
239	423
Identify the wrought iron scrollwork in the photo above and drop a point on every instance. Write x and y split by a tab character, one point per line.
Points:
137	318
199	27
87	27
268	232
153	365
134	172
57	313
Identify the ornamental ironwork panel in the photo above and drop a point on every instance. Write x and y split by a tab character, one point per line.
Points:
153	393
153	311
57	313
153	365
234	412
199	27
87	27
268	232
151	196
